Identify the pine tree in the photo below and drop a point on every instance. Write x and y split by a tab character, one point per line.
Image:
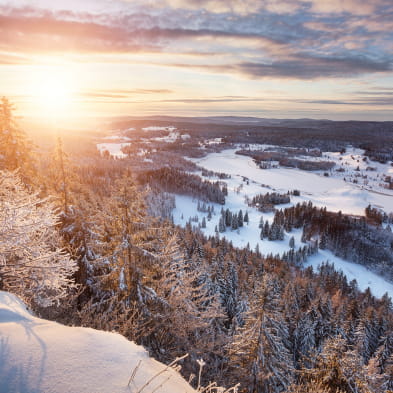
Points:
228	218
323	241
221	224
260	346
15	148
234	223
186	293
246	218
292	242
203	222
61	157
266	229
240	218
32	264
336	369
380	367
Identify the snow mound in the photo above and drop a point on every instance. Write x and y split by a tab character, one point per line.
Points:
38	356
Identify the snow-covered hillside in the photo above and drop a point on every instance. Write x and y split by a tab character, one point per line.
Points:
39	356
247	179
336	192
331	192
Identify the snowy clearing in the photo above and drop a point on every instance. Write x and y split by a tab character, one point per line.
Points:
157	128
353	271
114	149
247	179
334	193
40	356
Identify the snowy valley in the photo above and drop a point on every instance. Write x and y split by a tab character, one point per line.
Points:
337	189
253	259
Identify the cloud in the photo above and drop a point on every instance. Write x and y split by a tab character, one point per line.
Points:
365	101
303	67
44	32
240	7
13	59
30	30
122	93
264	42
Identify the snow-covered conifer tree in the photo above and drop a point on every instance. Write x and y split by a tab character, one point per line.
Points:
246	218
32	265
240	218
261	345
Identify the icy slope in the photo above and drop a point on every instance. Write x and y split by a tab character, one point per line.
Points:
39	356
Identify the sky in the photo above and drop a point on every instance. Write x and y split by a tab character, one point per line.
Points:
278	59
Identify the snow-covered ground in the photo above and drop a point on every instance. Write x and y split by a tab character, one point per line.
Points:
247	179
39	356
158	128
114	143
332	192
114	149
353	271
353	165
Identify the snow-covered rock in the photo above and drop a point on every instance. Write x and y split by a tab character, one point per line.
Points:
40	356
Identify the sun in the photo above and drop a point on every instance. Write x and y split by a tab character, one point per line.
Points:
52	92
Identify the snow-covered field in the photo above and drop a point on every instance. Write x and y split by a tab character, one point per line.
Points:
354	166
247	179
114	149
332	192
40	356
186	207
353	271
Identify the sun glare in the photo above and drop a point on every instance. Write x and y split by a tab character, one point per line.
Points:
52	91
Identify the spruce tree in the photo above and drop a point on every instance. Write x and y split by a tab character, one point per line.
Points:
15	147
246	218
240	218
261	345
234	223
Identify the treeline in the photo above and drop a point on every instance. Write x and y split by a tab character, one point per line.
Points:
286	160
220	175
265	202
229	219
351	238
180	182
382	154
377	216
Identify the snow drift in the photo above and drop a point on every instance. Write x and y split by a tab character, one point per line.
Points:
40	356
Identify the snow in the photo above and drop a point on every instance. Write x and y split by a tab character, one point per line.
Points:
116	137
365	279
248	234
40	356
170	138
247	179
187	207
334	193
214	141
114	149
157	128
